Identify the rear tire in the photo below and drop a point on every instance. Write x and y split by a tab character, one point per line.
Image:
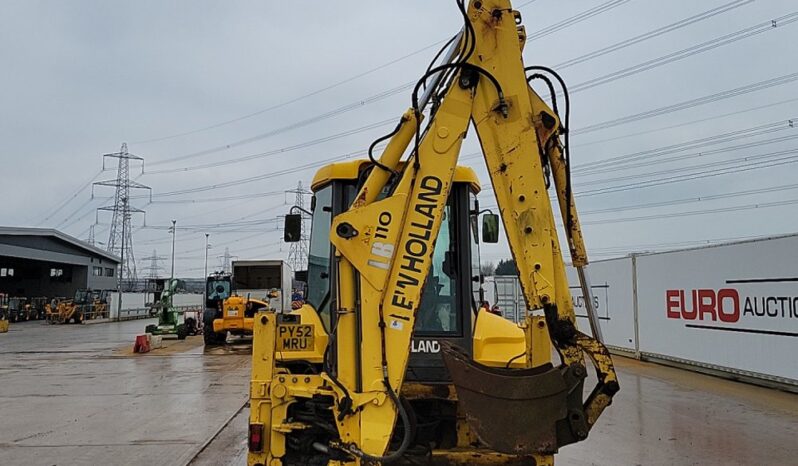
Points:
182	332
212	338
191	326
151	329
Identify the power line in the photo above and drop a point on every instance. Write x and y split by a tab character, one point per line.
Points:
667	203
626	72
578	18
679	201
716	164
294	100
278	151
343	109
702	155
255	178
220	199
323	162
70	216
612	163
214	188
626	161
687	123
619	121
69	199
687	52
747	89
691	200
631	248
255	235
654	33
695	176
762	205
741	167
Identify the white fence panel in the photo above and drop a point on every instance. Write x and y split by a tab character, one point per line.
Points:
139	301
612	287
732	307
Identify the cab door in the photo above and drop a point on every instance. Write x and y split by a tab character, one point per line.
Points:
447	308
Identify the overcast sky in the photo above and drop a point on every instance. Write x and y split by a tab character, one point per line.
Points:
82	77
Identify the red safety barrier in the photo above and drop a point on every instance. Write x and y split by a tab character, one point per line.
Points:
142	344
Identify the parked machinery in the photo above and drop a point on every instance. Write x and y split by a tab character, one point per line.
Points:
100	304
3	313
18	309
236	317
38	307
71	310
218	287
232	301
51	308
169	315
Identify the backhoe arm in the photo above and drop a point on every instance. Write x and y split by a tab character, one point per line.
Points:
384	245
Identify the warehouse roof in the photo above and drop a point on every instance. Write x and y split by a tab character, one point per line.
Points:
52	233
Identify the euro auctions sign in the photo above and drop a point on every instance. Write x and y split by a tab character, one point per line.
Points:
750	305
730	307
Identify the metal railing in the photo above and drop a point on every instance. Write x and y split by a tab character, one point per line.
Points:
132	314
148	312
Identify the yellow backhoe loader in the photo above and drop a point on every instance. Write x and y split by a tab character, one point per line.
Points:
390	359
74	310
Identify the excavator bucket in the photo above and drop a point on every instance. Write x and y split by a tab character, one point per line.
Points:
519	411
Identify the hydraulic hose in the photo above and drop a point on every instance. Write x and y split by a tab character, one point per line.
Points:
406	439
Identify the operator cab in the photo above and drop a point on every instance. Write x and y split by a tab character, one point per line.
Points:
450	301
82	297
218	287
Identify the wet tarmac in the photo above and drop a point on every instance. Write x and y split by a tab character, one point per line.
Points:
669	416
75	395
662	416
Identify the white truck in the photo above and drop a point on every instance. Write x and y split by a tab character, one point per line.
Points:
257	278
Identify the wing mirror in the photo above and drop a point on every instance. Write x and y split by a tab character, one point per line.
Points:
490	228
292	231
292	228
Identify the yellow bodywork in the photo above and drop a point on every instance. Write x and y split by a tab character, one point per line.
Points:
382	259
238	315
315	354
272	390
65	312
351	169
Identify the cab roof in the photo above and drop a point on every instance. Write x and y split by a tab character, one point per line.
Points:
350	170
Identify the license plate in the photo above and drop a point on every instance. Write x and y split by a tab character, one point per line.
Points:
295	337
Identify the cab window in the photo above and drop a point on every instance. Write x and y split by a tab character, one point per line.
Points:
319	255
438	310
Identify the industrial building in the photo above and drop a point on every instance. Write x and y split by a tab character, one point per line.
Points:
47	262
